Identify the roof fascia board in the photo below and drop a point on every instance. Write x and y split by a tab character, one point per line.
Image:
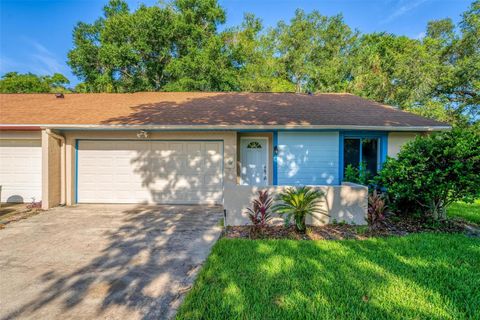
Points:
226	127
20	127
247	127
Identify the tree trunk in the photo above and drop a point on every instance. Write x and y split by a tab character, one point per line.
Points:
298	87
300	223
439	211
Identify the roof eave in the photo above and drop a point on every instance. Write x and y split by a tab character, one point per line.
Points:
20	127
227	127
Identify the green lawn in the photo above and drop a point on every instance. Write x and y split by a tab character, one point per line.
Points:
422	276
467	211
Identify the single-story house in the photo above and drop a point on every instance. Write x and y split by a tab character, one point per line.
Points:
192	148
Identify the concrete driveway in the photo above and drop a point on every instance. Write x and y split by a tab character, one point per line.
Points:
104	261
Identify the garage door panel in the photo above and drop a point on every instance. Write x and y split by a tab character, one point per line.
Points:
213	146
150	171
21	170
176	148
195	164
174	162
212	180
213	161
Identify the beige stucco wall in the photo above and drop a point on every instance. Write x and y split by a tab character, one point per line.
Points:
397	139
347	202
51	171
229	149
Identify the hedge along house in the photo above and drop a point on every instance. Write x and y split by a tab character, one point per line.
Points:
195	148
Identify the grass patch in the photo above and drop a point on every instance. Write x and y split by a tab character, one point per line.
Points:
466	211
421	276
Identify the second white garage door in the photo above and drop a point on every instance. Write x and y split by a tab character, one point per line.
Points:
170	172
21	170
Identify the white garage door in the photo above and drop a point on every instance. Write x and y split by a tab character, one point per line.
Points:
176	172
21	170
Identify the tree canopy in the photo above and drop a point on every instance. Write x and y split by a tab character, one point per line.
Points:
167	47
13	82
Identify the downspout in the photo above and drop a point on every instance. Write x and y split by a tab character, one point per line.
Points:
62	164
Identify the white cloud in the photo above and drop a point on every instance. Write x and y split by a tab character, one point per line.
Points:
43	61
403	8
32	56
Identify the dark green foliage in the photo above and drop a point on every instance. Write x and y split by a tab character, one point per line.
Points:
297	203
434	171
14	82
420	276
173	47
351	174
358	175
260	212
314	51
391	69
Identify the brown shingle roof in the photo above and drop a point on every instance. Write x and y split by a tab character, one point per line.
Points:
200	108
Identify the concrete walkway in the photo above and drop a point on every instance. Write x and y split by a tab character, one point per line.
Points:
103	261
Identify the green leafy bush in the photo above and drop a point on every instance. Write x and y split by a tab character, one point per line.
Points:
298	203
357	175
433	171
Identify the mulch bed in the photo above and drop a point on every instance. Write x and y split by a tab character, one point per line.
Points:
328	232
390	227
15	212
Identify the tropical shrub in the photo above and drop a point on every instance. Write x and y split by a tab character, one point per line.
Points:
297	203
357	175
433	171
351	174
377	208
260	211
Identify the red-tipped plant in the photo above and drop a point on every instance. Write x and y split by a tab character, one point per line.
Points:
260	212
377	209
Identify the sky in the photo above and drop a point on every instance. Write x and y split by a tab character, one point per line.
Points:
36	35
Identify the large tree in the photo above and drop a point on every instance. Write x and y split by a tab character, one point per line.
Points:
314	51
123	51
164	47
457	54
252	54
391	69
437	76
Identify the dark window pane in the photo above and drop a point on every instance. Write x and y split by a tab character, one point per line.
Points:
370	155
351	152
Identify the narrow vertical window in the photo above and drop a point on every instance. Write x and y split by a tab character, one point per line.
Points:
351	153
370	155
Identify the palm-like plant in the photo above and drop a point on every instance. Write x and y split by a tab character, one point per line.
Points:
298	203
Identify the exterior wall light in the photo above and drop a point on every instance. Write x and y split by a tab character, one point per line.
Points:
142	134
